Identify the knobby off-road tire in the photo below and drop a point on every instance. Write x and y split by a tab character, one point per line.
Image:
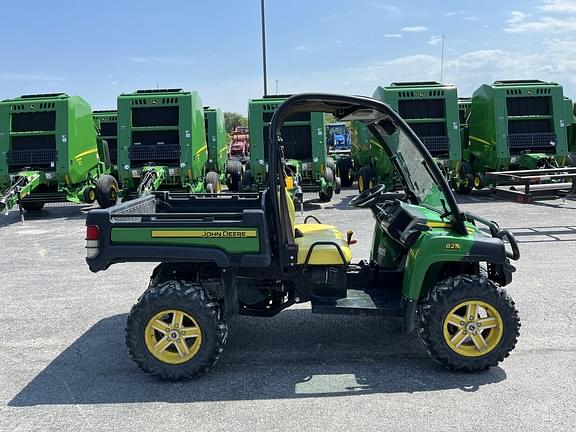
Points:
446	307
168	315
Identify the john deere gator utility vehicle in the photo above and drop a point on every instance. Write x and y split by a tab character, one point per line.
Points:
431	110
49	153
162	143
517	125
304	147
220	255
106	122
339	141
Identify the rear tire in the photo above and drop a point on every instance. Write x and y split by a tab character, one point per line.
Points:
344	171
326	196
337	185
234	175
166	312
468	343
571	160
212	182
89	195
106	191
365	180
330	164
32	206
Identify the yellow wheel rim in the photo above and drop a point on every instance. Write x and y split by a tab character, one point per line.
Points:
473	328
361	184
217	189
173	336
466	181
92	195
476	182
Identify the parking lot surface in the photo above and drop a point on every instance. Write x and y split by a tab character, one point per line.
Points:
65	366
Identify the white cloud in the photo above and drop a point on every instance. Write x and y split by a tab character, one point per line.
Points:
394	10
414	29
302	48
435	40
520	22
471	18
456	13
393	35
558	6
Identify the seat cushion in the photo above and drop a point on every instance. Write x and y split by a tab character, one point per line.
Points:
308	234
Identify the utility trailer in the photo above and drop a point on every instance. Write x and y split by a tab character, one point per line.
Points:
106	123
49	153
431	268
162	143
517	125
304	147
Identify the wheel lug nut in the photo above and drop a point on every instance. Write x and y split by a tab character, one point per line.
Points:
179	341
471	318
462	323
463	332
474	333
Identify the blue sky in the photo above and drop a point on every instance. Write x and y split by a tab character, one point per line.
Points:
100	49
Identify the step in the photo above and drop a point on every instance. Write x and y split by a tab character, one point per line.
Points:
359	302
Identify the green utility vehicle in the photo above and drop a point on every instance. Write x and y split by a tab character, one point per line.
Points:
222	255
162	143
49	153
431	110
106	123
517	125
304	148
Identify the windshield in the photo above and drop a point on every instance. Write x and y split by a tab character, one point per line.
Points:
414	169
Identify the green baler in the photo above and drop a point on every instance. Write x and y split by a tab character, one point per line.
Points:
304	145
431	110
106	123
368	154
517	125
162	143
49	153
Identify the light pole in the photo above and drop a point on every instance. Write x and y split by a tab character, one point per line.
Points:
264	48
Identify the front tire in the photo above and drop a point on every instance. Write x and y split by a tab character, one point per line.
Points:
32	206
212	182
175	331
468	323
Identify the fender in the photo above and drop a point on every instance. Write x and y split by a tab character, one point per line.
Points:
436	247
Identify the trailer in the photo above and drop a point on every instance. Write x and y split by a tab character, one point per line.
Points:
162	143
49	153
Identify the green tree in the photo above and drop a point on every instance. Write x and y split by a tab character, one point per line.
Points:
233	120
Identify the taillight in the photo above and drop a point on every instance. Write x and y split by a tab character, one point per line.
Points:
92	240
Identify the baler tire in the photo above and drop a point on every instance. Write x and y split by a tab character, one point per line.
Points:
330	164
192	301
571	159
343	171
439	314
89	195
365	181
337	185
234	175
213	180
106	191
329	175
32	206
247	181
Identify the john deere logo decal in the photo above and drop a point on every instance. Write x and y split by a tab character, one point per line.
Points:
225	234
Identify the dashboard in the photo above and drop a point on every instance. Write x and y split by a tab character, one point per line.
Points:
399	221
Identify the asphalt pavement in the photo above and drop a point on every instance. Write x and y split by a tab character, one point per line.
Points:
65	366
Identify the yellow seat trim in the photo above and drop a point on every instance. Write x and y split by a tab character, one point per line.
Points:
308	234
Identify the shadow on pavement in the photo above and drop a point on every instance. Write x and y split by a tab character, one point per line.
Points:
54	211
293	355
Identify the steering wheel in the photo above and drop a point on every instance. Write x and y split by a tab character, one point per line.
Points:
368	197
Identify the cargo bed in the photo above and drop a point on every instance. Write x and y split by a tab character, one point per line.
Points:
227	229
